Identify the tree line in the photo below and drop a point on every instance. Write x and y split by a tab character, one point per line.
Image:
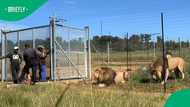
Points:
133	43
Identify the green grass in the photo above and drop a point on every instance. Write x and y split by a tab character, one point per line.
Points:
132	94
77	96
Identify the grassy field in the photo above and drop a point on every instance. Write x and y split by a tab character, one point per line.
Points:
80	95
135	93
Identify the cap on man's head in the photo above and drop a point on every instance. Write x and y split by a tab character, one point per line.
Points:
40	47
16	48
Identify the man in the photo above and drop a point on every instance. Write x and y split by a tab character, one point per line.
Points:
15	59
42	62
31	61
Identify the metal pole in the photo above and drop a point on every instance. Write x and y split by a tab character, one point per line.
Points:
108	52
154	49
3	54
53	48
154	43
163	51
101	28
33	39
88	54
69	50
101	34
127	43
18	39
6	44
179	40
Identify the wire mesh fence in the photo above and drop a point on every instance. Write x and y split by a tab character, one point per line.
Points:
32	36
67	46
143	45
70	52
123	51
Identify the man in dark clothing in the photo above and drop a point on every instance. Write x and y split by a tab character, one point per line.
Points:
15	59
31	61
42	62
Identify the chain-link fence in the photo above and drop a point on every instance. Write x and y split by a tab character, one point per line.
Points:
124	51
1	54
67	46
32	36
71	53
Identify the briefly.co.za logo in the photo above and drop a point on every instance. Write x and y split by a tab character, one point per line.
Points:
14	10
179	99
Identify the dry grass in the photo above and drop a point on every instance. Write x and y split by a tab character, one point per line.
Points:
78	95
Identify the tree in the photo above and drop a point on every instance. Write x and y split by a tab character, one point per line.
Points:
135	42
159	42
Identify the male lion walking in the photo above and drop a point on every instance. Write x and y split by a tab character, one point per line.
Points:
175	64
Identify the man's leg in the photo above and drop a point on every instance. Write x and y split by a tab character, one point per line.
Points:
25	71
34	69
43	72
40	70
17	72
14	74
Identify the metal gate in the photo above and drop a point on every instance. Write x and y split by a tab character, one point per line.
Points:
70	53
33	36
68	57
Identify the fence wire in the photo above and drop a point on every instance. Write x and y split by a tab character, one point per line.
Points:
70	53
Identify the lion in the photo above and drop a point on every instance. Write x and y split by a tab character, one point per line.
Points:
103	75
175	64
108	76
121	76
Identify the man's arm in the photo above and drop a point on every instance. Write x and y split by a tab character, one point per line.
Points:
2	57
6	56
21	58
47	53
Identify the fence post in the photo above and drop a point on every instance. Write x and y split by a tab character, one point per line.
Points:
179	41
18	39
53	48
5	46
88	52
4	67
108	53
127	50
33	39
3	54
163	50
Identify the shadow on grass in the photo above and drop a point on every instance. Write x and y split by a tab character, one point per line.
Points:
61	97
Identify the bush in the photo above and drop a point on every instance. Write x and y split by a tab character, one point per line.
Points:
142	76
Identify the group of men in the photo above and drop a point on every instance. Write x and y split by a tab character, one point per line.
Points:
33	58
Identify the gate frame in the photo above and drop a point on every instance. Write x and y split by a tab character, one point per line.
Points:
52	35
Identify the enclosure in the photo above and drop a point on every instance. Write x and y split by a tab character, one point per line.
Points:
68	58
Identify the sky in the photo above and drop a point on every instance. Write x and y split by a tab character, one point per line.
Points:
117	16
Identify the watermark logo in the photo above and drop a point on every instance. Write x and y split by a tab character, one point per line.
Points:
179	99
14	10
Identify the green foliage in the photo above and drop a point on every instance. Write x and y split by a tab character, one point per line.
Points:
141	76
136	42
